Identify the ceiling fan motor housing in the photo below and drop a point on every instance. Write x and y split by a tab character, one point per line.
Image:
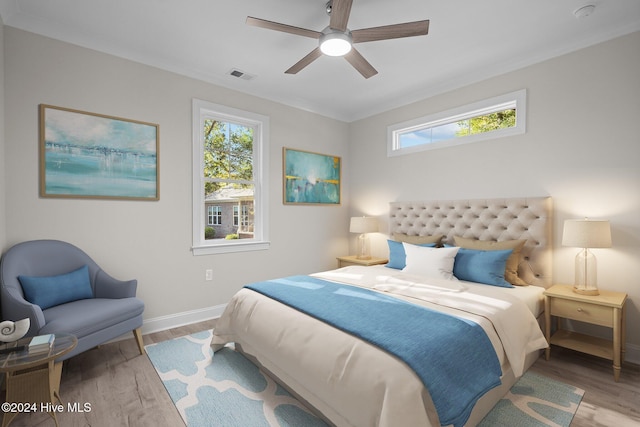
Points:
335	42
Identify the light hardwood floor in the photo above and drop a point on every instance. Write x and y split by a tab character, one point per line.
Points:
123	388
606	403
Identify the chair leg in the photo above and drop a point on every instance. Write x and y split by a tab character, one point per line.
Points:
137	333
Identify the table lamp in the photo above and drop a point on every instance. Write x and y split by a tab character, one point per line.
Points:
363	225
585	234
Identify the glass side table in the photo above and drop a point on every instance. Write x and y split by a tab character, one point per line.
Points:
33	379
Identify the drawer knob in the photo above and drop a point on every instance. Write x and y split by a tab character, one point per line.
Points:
580	309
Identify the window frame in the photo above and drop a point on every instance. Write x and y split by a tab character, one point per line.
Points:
476	109
202	110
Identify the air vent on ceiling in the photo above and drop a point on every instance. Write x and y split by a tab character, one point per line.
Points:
241	74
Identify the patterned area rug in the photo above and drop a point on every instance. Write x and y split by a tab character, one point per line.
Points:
227	390
535	401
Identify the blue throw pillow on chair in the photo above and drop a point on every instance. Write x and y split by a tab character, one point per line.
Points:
49	291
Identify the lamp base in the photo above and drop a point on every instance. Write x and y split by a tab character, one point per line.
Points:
363	247
591	292
586	279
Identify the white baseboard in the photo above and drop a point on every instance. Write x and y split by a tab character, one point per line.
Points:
162	323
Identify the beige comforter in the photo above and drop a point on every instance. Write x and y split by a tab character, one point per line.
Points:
351	382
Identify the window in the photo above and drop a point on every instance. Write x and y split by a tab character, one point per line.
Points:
235	216
230	163
246	216
492	118
214	215
245	219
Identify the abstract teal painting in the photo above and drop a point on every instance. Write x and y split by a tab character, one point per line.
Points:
87	155
311	178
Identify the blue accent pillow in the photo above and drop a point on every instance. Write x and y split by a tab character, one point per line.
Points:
397	256
49	291
482	266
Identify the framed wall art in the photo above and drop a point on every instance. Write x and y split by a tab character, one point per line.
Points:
88	155
311	178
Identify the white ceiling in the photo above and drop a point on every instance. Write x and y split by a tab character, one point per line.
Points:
468	41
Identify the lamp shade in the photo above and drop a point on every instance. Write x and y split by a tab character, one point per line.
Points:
363	224
586	233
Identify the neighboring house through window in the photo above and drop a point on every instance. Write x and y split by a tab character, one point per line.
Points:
229	202
229	179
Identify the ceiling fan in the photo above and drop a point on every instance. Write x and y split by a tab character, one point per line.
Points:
338	40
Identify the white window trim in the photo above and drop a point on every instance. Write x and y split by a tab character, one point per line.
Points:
204	109
455	114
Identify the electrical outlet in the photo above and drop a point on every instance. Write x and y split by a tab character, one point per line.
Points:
208	274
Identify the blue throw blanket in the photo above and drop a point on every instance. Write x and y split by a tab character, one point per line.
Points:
453	357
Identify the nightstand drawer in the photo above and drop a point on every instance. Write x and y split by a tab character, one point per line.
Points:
582	311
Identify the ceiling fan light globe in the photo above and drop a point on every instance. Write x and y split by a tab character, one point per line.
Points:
335	44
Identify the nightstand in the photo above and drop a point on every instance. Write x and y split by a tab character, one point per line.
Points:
344	261
606	309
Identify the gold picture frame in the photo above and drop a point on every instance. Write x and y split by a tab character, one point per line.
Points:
96	156
311	178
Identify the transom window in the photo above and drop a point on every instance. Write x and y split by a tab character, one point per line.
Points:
229	179
492	118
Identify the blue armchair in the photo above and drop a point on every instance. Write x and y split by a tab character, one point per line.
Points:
61	289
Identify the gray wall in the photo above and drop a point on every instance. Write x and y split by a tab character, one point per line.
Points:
581	147
152	240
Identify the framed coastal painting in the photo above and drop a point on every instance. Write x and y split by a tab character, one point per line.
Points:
88	155
311	178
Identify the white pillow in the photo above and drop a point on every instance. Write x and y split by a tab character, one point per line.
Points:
430	262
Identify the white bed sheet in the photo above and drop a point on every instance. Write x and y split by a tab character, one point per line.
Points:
500	307
351	382
532	296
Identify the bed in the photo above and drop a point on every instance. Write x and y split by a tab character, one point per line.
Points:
349	378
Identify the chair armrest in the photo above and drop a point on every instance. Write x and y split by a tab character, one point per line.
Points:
15	308
108	287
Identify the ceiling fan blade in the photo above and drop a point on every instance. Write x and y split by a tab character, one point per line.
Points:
395	31
263	23
359	63
312	56
340	10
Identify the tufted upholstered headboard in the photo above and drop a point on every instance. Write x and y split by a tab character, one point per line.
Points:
489	219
